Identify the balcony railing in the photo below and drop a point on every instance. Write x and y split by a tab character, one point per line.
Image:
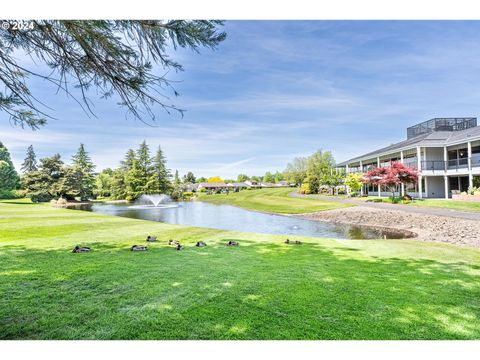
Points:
429	165
457	164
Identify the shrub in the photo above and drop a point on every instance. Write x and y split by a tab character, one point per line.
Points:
187	195
354	194
305	188
341	191
249	188
11	194
203	190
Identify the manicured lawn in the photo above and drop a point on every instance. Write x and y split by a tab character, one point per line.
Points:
263	289
272	200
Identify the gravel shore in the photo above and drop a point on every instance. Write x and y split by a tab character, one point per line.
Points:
427	227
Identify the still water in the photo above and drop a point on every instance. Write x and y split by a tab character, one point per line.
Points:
226	217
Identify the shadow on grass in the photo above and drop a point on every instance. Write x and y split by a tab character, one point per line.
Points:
253	291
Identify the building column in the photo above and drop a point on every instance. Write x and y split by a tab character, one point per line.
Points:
445	179
445	159
419	169
403	185
470	174
426	186
378	186
346	168
419	159
361	170
420	190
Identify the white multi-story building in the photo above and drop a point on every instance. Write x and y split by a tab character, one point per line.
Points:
445	151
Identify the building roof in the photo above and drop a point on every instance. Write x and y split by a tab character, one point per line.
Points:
212	185
432	139
237	184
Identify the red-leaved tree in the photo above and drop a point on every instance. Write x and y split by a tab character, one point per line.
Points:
391	176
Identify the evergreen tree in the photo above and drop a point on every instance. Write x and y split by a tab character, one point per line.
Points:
82	161
44	183
115	56
134	180
30	163
161	173
189	178
118	186
9	179
130	156
176	180
70	185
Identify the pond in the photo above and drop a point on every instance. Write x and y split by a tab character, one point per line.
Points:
226	217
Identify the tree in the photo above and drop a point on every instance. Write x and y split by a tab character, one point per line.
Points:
44	184
391	176
201	179
83	163
134	181
215	179
242	177
9	179
296	171
127	162
176	179
146	164
279	177
104	182
70	185
161	173
319	166
354	181
30	162
114	56
268	178
189	178
258	179
332	180
118	187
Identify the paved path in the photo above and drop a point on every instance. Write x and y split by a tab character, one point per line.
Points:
407	208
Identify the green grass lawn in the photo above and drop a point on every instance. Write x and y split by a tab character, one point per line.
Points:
435	203
264	289
272	200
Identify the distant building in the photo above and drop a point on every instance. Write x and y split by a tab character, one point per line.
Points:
212	186
252	183
237	185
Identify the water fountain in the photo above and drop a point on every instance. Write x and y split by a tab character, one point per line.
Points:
154	201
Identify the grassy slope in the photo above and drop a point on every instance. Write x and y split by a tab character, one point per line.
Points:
272	200
264	289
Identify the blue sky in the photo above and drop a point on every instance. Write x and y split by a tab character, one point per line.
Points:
275	90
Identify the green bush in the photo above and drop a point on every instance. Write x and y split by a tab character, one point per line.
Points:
11	194
203	190
354	194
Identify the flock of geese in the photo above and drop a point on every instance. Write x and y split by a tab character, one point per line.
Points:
178	246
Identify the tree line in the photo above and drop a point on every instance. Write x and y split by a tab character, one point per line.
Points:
313	172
